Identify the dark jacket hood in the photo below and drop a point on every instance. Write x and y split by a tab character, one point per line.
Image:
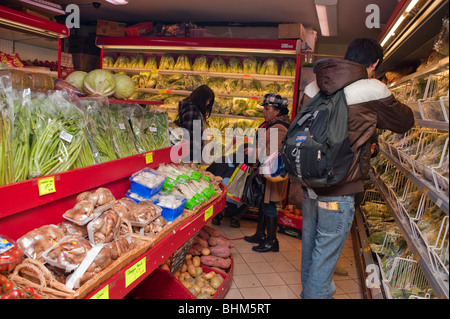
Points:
335	74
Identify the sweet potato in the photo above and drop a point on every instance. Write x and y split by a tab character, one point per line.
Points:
220	251
211	231
203	234
194	251
201	241
215	261
225	242
212	241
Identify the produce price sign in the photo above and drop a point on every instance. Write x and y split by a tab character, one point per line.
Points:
179	256
148	157
135	271
209	212
46	185
102	294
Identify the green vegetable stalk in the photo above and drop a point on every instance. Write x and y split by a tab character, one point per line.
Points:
122	134
6	126
21	136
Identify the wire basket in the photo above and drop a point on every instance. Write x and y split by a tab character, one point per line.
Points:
405	279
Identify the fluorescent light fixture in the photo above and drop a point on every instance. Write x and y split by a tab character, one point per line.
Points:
411	6
394	28
118	2
327	15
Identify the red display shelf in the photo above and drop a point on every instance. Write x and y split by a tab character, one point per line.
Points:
216	46
42	28
120	284
113	101
25	21
24	209
171	288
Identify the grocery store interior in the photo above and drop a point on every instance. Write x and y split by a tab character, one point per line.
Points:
89	97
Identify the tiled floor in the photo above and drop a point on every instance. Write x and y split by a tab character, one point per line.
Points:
276	275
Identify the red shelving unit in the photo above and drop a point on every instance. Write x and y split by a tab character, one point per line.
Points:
209	46
24	209
23	23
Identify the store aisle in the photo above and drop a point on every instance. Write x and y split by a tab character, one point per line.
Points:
277	275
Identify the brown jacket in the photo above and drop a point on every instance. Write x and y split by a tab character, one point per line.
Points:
370	106
275	191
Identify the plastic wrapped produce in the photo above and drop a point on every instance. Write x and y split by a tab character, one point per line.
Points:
151	63
200	64
218	65
6	130
234	65
250	65
38	240
68	253
167	62
183	63
104	228
122	133
269	67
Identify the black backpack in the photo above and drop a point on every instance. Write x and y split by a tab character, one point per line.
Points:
316	148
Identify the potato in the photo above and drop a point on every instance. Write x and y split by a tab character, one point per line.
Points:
183	268
206	251
197	289
188	256
164	266
203	296
199	270
185	283
192	271
209	275
196	261
193	291
216	281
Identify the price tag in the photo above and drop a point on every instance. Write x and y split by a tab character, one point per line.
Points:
102	294
46	185
209	212
135	271
154	71
246	75
165	91
148	157
254	98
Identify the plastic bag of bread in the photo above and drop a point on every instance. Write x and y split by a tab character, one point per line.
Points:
89	205
37	241
96	260
143	213
104	228
68	253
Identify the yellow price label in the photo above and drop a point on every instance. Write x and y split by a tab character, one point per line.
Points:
154	71
209	212
46	185
148	157
102	294
135	271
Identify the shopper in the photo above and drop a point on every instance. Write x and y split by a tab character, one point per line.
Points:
276	121
328	217
193	111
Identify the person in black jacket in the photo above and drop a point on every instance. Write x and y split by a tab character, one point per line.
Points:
193	112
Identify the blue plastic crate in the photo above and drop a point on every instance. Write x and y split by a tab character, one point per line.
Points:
143	190
170	214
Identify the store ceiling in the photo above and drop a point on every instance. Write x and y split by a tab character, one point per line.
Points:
351	13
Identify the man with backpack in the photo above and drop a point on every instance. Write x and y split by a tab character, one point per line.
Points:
329	189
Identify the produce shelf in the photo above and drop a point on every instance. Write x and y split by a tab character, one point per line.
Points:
120	284
439	284
364	256
438	197
22	203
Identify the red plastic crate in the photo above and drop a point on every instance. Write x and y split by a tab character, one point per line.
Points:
161	285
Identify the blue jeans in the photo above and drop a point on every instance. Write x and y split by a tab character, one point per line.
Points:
325	230
270	209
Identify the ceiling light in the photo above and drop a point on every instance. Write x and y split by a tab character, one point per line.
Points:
118	2
394	28
411	5
327	15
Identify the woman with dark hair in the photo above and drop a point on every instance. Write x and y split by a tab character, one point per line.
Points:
193	111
